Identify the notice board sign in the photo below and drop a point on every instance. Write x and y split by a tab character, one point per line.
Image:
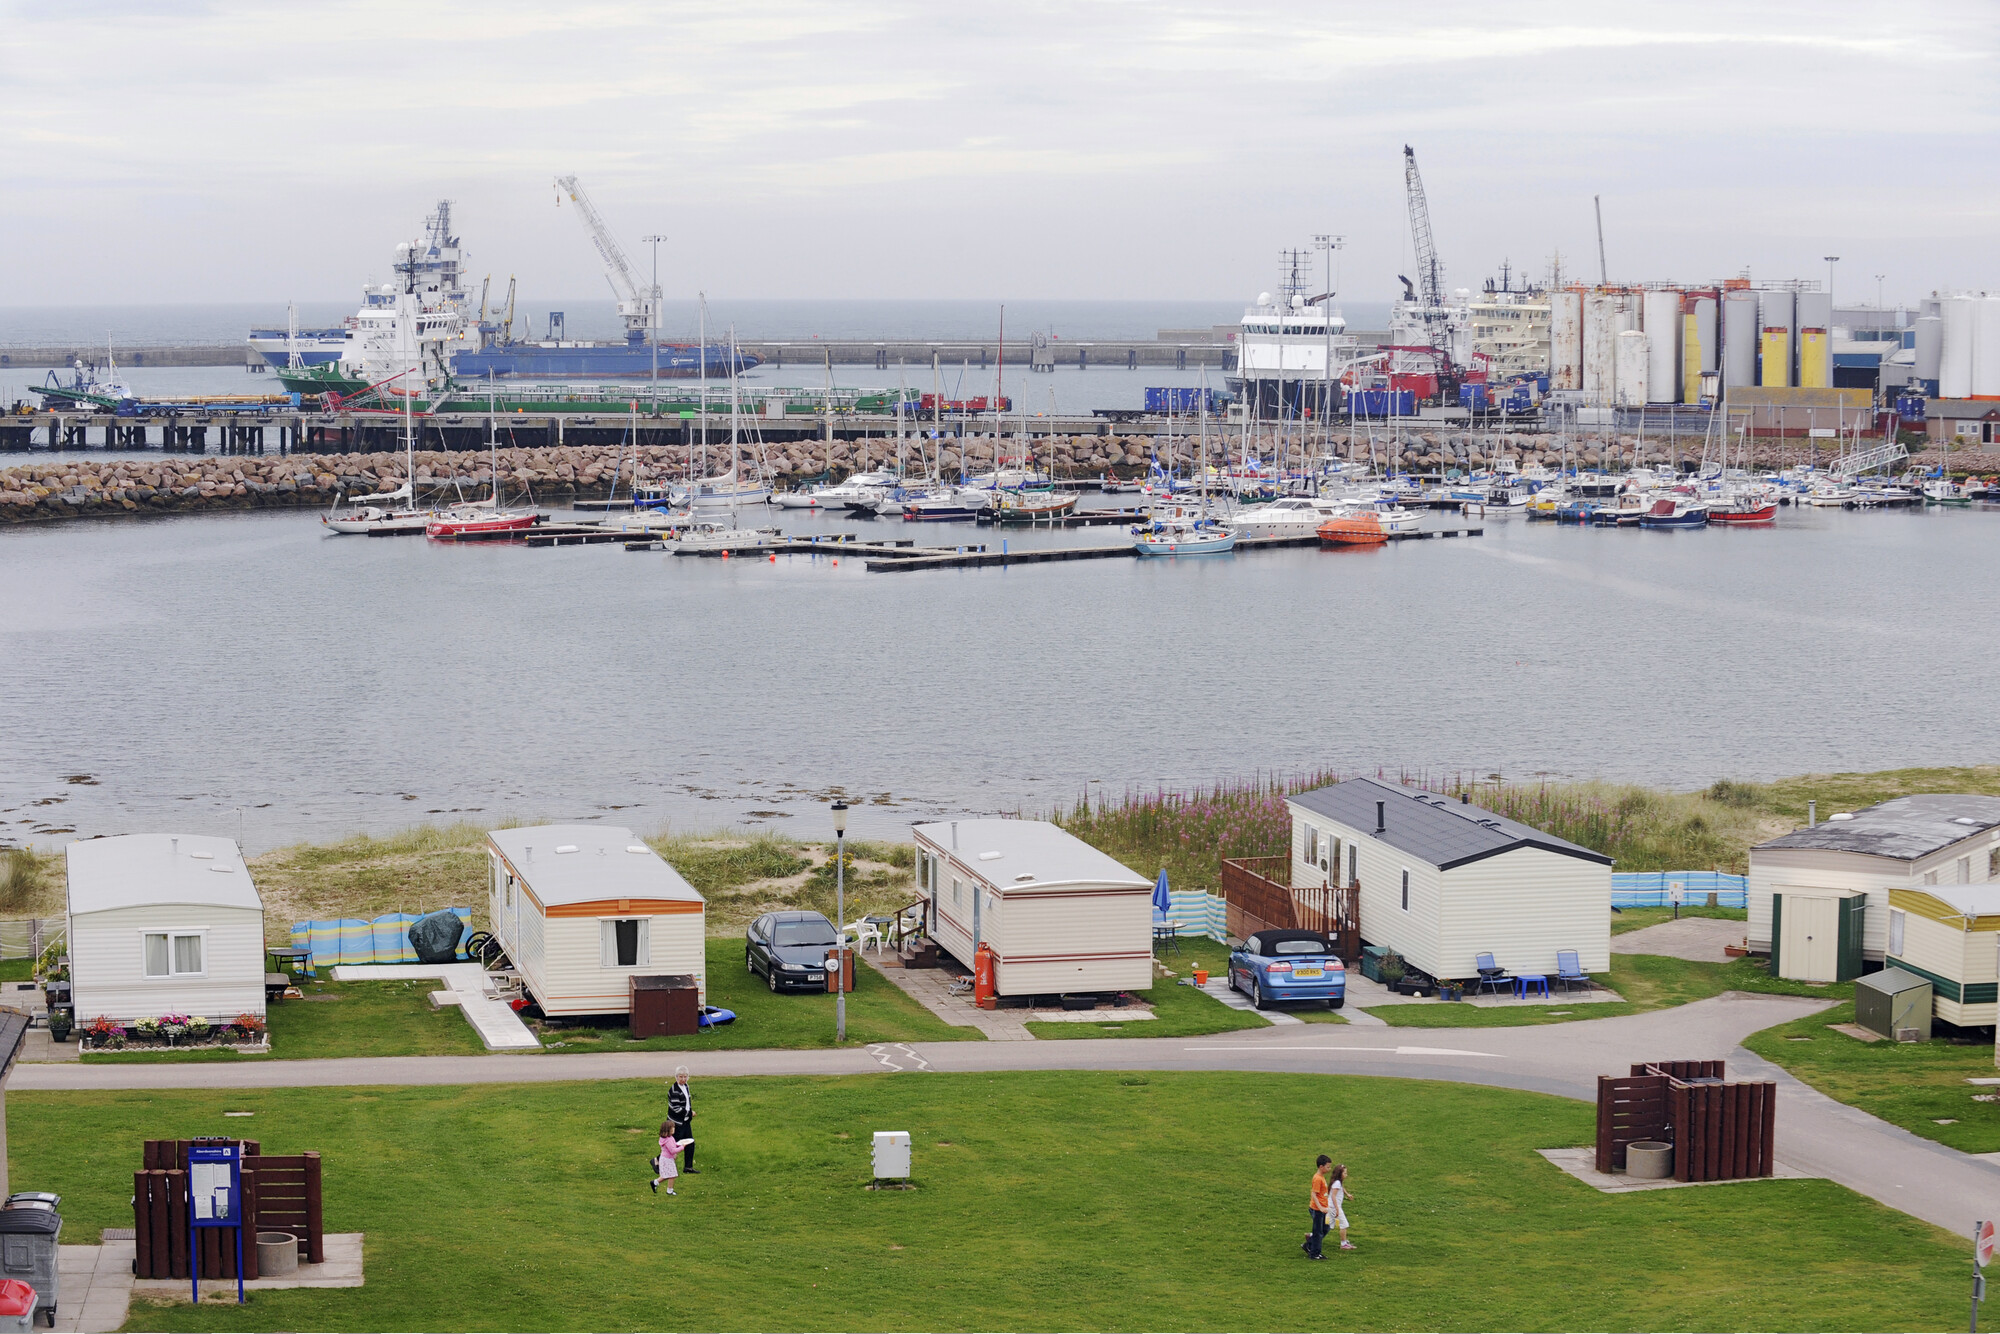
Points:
215	1199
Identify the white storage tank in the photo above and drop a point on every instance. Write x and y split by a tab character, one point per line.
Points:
1955	359
1929	346
1774	363
1986	349
1600	349
1662	313
1566	340
1630	380
1739	338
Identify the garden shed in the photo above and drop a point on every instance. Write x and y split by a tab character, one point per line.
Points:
1894	1001
1059	915
1912	842
581	909
163	924
1441	881
1816	934
1949	935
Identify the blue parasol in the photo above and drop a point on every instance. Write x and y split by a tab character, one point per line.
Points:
1161	900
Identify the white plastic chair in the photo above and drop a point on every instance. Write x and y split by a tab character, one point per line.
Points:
866	932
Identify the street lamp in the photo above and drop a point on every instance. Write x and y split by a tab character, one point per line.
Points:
653	319
840	919
1878	295
1831	260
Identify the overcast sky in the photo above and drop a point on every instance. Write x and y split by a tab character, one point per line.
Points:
1087	149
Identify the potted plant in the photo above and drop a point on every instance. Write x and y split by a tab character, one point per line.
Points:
1451	991
1392	968
104	1032
198	1029
60	1024
249	1028
173	1027
146	1030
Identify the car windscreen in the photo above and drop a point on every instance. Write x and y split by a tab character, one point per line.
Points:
804	933
1298	947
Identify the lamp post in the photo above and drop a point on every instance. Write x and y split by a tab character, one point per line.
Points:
840	919
1831	260
653	319
1878	296
1327	243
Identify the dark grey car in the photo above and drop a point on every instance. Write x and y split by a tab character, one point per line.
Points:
789	949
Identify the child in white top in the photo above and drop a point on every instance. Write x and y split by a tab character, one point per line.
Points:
1339	1213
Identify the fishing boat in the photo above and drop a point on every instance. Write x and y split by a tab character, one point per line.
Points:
1671	513
1182	537
1031	506
1743	510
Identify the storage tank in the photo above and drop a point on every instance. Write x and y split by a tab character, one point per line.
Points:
1697	342
1986	349
1662	314
1774	364
1739	339
1815	312
1631	369
1929	346
1956	349
1566	340
1600	347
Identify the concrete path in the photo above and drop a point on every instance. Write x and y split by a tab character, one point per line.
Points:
1698	938
1816	1136
931	988
96	1284
496	1023
1219	988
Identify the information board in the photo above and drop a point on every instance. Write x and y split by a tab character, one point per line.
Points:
215	1199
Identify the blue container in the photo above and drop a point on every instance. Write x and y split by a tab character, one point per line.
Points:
1472	396
1910	407
1182	398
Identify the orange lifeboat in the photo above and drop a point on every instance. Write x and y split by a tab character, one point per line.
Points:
1355	530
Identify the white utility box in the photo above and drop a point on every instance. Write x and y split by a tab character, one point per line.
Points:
892	1155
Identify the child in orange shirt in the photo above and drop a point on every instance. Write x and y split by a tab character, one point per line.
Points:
1318	1203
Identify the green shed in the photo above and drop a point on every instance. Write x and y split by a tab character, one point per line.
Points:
1893	1002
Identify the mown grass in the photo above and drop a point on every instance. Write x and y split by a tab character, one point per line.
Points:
526	1207
1646	981
877	1011
1638	919
1915	1085
340	1019
1178	1011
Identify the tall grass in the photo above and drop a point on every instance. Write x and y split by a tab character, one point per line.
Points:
23	885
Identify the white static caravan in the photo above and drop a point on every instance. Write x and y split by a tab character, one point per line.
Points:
1950	936
1059	915
582	908
1903	843
163	924
1441	882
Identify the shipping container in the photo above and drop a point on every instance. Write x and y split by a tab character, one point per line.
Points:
1383	403
1472	396
1184	398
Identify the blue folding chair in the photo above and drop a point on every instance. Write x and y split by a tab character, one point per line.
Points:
1491	974
1569	969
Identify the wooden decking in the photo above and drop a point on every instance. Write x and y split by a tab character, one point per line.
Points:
1260	897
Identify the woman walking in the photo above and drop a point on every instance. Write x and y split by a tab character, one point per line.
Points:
663	1166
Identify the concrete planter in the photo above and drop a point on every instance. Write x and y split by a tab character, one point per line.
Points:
1649	1160
277	1253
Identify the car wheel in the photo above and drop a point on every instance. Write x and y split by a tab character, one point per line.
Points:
1256	994
1336	1003
1232	981
771	976
749	964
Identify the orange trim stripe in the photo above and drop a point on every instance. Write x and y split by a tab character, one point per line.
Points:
623	908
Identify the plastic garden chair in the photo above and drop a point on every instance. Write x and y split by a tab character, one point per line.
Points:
1491	974
1569	969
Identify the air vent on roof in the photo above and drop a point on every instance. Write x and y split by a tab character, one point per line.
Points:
637	847
1022	879
224	869
205	856
566	847
989	856
1841	815
1966	819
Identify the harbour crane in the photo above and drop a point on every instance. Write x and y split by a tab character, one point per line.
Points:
634	309
1429	291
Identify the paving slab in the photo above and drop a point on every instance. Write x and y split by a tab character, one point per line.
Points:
1581	1163
1698	938
931	988
495	1021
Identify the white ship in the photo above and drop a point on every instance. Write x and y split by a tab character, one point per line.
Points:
1292	347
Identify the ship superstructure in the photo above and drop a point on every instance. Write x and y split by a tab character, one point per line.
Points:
1292	346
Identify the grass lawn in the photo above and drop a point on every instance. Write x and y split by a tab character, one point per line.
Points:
877	1011
1911	1084
1072	1199
1178	1011
1646	981
17	970
344	1019
1635	919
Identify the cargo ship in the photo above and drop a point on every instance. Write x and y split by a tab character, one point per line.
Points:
484	346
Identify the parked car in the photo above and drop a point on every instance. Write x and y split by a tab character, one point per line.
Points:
789	949
1290	965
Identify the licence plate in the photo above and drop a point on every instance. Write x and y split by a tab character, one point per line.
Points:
815	977
1308	972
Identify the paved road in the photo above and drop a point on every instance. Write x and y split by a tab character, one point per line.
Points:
1815	1134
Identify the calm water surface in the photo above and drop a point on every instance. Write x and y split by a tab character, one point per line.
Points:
169	672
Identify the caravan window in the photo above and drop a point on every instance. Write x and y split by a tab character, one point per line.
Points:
1353	863
1895	931
1310	836
1406	891
172	954
1331	862
622	942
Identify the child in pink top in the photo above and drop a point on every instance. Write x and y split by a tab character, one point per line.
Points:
670	1149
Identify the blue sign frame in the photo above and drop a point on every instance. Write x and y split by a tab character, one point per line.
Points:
215	1199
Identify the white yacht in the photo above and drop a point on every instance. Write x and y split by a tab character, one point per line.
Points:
1289	516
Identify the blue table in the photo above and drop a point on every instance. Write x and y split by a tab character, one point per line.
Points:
1524	982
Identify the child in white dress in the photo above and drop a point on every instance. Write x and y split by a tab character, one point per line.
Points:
1338	1216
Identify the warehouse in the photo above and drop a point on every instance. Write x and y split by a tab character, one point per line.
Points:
1442	882
163	924
583	909
1058	915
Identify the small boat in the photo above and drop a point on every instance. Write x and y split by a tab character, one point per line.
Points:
705	535
1946	492
1032	506
1291	516
1674	514
1744	511
1119	485
469	519
796	500
1831	495
1182	537
947	505
375	521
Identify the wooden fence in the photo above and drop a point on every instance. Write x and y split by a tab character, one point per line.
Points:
1260	898
1720	1131
281	1193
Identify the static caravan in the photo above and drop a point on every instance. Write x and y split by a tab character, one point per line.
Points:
1950	937
1059	915
1909	842
1441	882
162	924
583	908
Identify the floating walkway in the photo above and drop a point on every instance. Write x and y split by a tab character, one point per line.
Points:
925	559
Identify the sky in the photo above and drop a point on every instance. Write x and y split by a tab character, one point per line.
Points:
1086	149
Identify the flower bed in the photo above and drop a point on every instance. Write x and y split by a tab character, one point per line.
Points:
177	1031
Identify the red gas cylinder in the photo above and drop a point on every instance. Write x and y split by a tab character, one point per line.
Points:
984	994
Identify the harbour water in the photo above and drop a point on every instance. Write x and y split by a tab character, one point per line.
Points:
219	673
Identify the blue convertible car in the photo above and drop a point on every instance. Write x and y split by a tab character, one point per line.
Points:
1276	966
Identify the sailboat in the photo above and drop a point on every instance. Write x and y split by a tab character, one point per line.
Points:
1180	534
483	516
376	520
728	490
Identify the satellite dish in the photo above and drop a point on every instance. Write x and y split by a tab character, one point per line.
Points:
1263	298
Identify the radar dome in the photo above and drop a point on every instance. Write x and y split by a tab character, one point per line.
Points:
1298	302
1263	298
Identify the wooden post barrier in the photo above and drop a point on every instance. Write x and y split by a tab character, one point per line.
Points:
280	1194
